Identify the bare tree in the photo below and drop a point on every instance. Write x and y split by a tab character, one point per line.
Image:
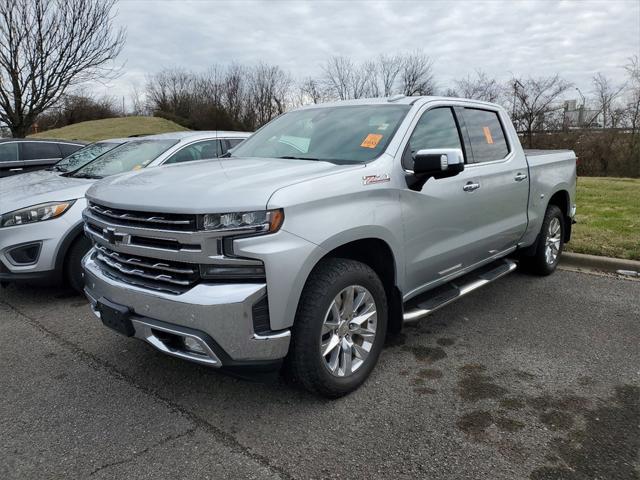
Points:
606	96
45	47
633	112
534	100
268	90
389	67
416	74
311	91
480	87
343	79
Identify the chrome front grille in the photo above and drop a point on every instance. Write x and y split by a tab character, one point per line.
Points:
146	272
162	221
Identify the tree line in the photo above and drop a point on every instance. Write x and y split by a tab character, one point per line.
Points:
50	47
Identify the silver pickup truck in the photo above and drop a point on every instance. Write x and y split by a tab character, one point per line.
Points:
328	228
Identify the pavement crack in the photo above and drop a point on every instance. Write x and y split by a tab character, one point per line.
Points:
98	364
145	450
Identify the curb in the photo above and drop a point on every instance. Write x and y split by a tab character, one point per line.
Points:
593	262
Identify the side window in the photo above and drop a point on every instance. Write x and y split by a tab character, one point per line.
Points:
40	150
486	135
196	151
436	129
230	143
68	148
8	152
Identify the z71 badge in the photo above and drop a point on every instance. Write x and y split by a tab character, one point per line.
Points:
371	179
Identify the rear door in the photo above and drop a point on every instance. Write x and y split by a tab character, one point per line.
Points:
10	162
39	155
500	170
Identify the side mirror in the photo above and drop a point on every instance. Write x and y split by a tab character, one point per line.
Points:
438	163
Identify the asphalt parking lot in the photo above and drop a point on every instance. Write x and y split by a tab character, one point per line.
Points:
527	378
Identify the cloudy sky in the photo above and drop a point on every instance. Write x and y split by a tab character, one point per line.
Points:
574	38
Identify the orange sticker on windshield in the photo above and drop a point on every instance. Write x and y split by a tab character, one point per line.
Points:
487	135
137	167
372	140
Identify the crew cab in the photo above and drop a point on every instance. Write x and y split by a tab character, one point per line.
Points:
331	226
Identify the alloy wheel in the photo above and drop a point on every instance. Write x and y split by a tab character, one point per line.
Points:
348	331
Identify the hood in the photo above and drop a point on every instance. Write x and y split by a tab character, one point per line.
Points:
226	185
24	190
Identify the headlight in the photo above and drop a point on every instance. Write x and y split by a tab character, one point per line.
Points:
265	221
36	213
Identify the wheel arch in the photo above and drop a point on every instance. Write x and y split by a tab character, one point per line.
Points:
562	200
378	254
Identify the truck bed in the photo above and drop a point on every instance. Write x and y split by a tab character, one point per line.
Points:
539	152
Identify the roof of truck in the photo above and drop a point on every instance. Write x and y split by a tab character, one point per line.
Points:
398	100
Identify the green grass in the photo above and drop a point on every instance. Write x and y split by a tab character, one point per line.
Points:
608	218
111	128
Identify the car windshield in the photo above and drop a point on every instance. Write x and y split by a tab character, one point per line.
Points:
345	134
133	155
83	156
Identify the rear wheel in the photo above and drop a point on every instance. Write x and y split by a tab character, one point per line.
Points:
549	244
340	327
74	271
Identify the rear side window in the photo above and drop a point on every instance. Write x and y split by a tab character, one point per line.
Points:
8	152
486	135
196	151
40	150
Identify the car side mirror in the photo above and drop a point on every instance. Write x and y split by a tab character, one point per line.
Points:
438	163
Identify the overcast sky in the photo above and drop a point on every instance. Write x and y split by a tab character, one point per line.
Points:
573	38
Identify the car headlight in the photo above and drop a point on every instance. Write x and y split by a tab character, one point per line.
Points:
264	221
35	213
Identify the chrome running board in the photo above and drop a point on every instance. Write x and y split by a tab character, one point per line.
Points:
432	300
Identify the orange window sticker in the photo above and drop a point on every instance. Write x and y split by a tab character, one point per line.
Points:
137	167
487	135
372	140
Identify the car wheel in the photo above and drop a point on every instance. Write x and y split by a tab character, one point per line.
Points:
340	327
74	271
549	244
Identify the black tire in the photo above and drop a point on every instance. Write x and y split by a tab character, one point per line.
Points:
73	268
306	363
538	263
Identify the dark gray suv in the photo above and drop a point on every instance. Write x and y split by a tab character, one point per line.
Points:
19	155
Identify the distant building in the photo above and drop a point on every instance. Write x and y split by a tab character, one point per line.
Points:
575	116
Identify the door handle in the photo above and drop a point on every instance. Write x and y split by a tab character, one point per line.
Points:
471	186
520	177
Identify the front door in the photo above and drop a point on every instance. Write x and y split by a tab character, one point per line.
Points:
444	226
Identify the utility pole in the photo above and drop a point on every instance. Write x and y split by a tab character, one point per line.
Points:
581	110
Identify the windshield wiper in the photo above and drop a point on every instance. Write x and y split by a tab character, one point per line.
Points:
55	168
86	175
289	157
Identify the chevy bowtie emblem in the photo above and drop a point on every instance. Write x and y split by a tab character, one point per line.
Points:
113	237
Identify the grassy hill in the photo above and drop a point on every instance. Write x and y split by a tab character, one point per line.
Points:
111	128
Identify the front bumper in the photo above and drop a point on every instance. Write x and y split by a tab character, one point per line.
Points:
219	314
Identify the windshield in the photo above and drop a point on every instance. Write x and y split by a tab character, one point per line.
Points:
338	134
83	156
132	155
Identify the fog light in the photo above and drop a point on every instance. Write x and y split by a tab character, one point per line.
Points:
193	345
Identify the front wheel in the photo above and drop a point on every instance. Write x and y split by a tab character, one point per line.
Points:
549	244
339	329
